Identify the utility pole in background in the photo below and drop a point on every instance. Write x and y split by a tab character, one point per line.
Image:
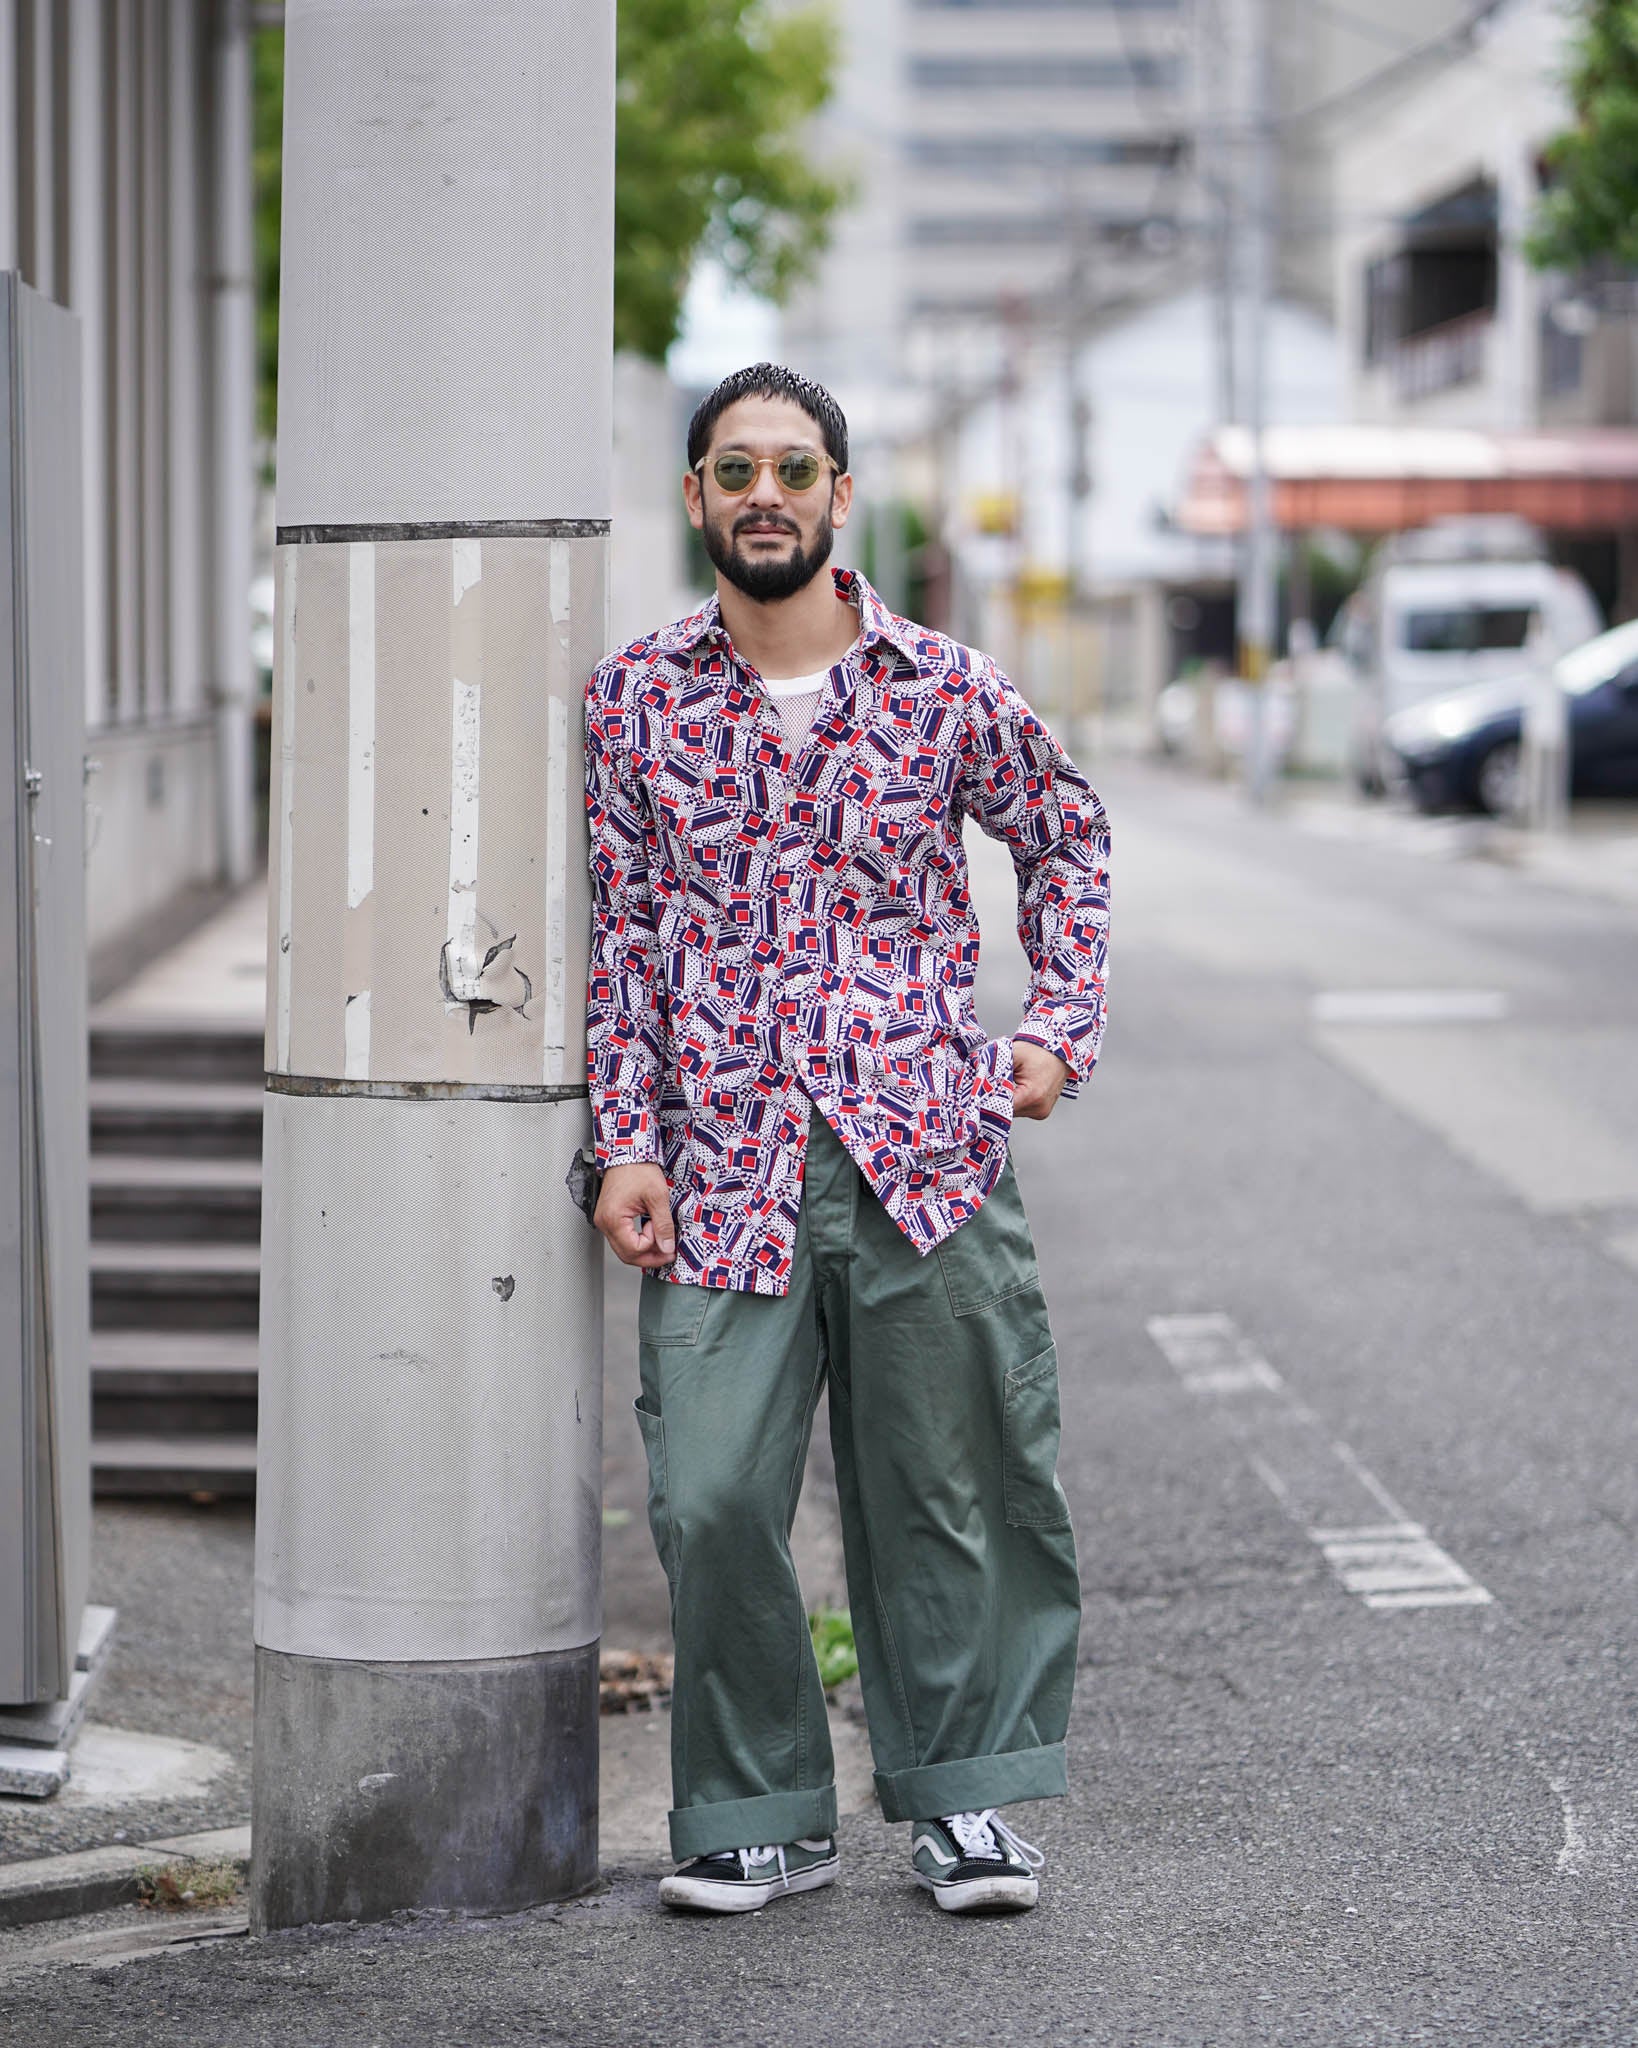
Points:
1077	406
1259	560
428	1530
1076	651
1215	42
1013	389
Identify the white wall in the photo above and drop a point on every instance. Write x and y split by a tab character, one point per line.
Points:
846	328
1486	114
126	156
646	586
150	821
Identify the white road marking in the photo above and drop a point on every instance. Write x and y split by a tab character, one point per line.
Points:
1546	1108
1409	1006
360	721
1569	1857
1379	1553
1372	1485
1624	1246
557	884
1469	1595
1574	1845
289	689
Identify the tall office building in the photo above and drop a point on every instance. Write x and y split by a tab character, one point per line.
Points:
1022	167
994	145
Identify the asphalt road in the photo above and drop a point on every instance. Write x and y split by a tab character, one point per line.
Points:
1296	1816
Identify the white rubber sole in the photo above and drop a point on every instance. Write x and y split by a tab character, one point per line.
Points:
703	1895
984	1894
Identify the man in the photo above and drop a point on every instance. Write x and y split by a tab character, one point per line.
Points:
803	1136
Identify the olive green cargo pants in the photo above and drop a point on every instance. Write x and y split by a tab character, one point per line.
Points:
960	1562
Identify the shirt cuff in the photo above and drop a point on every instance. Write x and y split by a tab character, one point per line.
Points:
1034	1034
627	1133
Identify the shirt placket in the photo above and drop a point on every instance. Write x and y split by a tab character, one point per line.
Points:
772	752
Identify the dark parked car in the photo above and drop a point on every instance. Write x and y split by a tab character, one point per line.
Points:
1463	750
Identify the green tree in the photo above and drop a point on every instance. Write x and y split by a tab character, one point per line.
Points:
1589	213
713	96
266	145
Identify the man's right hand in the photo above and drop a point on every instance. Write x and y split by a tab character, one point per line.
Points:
634	1214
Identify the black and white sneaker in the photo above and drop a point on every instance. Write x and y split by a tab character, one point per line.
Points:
744	1880
974	1863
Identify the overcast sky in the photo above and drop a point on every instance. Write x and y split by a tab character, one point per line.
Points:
723	330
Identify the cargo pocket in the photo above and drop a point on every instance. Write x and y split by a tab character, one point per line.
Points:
659	1500
1029	1446
670	1311
992	1256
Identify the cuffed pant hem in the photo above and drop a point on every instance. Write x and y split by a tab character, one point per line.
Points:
748	1823
972	1783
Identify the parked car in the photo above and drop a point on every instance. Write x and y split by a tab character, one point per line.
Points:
1465	749
1453	604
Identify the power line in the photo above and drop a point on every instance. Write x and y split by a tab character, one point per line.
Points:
1448	43
1360	24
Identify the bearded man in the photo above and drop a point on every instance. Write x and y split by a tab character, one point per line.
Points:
803	1135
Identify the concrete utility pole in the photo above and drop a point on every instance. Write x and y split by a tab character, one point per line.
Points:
1259	561
428	1538
1215	40
1074	651
1077	405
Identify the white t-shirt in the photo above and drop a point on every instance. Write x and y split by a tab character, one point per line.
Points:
796	699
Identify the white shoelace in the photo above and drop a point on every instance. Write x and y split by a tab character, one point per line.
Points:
754	1859
987	1837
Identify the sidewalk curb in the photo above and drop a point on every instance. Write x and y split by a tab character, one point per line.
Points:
92	1880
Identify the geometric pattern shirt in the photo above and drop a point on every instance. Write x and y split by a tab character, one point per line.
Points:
779	928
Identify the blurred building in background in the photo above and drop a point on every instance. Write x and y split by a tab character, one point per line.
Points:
1034	312
125	196
1037	309
648	574
991	144
1436	177
1444	320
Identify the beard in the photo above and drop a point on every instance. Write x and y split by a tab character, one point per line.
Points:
768	580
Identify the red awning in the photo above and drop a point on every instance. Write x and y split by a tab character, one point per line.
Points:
1382	479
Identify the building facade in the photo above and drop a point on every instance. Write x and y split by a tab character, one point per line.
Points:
1033	175
991	144
1023	165
125	196
1445	320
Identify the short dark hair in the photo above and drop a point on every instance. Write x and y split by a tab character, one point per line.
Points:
770	380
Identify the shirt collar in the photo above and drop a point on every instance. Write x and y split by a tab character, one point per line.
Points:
705	626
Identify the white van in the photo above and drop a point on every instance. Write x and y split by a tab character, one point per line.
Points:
1457	602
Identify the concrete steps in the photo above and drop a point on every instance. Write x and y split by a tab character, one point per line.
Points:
178	1463
192	1119
175	1286
176	1127
163	1048
144	1198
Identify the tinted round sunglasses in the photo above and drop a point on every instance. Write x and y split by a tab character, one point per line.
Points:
798	469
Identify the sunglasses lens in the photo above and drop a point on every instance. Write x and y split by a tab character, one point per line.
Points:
798	471
734	472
